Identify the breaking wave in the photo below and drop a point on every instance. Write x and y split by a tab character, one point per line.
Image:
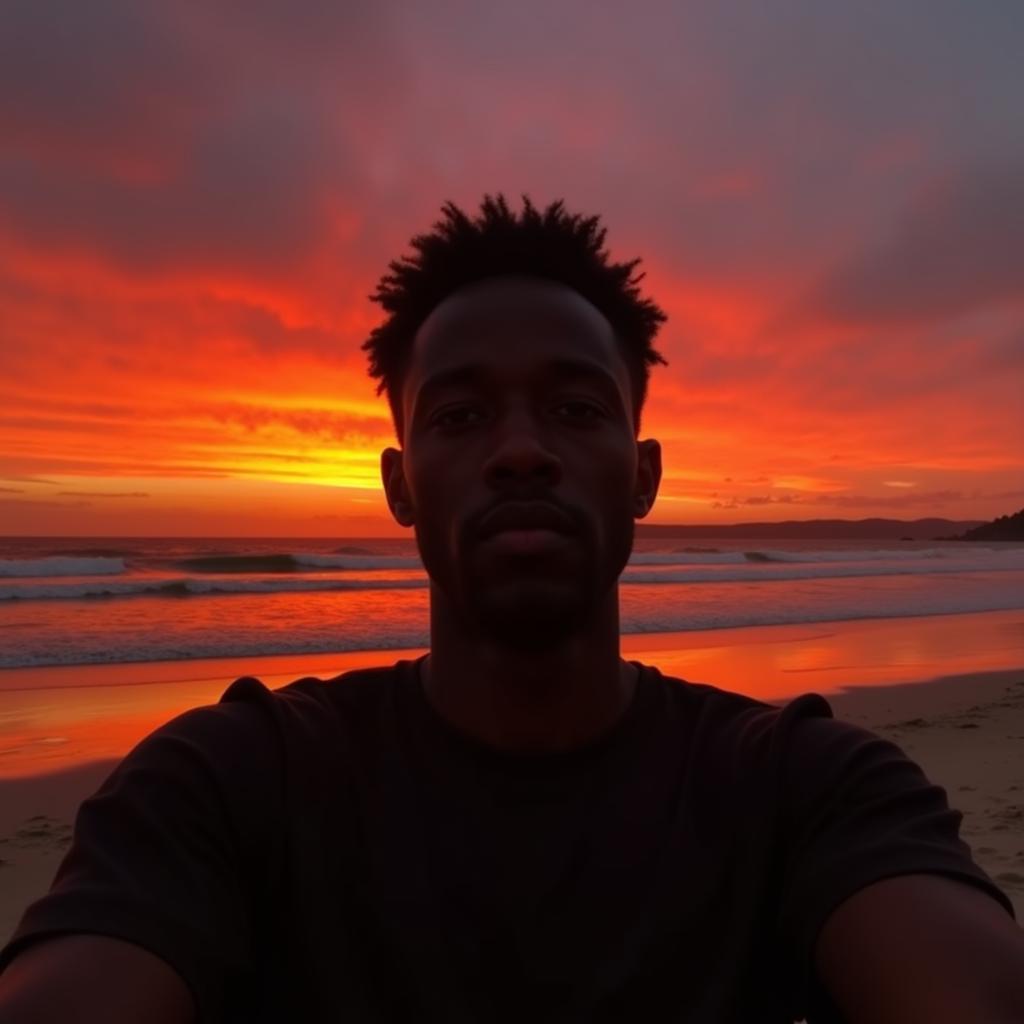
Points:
294	563
61	565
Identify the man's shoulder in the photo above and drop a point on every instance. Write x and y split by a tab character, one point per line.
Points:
251	719
714	708
795	736
352	689
352	710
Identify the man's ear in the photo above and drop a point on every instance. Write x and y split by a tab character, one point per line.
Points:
392	474
648	477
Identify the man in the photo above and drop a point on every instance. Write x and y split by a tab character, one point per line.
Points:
520	825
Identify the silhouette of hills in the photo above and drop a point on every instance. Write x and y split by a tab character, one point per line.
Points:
821	529
1004	528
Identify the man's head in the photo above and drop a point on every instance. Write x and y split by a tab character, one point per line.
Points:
551	244
520	470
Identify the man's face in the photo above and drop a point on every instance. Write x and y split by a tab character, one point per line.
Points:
520	471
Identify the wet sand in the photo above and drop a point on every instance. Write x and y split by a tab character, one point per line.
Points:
61	733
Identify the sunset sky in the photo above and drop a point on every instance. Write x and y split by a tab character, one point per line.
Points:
196	199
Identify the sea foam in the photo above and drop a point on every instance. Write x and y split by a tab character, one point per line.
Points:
58	565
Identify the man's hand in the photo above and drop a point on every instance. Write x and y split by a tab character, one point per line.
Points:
923	949
91	979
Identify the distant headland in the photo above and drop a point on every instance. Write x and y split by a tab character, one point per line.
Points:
1004	528
829	529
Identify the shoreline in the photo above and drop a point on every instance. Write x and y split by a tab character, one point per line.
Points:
965	731
143	672
59	717
175	670
948	690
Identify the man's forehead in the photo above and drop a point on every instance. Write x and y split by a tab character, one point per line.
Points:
503	319
516	292
453	373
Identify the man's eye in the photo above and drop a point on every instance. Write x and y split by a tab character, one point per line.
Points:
579	409
456	416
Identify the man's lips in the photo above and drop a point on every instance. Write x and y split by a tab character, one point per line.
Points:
525	519
526	542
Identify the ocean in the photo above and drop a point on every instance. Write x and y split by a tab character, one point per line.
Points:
81	601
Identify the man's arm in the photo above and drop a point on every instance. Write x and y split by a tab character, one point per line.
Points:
92	979
170	855
923	949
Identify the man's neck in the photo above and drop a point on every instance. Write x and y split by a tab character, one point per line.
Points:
527	701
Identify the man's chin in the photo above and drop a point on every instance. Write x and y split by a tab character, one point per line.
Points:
532	619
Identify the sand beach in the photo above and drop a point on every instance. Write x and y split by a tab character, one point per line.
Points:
949	690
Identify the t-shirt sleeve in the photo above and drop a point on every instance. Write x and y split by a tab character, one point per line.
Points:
857	810
166	853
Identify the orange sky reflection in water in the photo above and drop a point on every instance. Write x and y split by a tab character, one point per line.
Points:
54	718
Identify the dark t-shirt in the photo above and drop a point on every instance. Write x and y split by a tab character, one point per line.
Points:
334	851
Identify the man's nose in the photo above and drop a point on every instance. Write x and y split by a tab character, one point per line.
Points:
521	455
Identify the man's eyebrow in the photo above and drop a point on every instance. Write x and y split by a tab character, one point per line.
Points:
452	378
581	368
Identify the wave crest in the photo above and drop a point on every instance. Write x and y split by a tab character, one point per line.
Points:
60	565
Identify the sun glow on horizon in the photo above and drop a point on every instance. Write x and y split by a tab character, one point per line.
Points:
188	242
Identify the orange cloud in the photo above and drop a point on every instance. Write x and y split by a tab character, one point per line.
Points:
194	206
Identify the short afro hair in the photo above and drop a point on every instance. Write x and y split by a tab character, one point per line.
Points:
551	243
